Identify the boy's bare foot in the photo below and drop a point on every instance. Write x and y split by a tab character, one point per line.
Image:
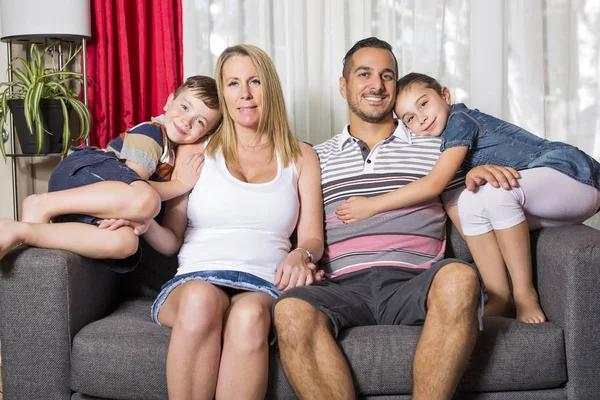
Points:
10	235
529	309
34	209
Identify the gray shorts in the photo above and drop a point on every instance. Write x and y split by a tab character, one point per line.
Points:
377	296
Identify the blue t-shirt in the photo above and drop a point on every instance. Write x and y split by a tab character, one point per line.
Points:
493	141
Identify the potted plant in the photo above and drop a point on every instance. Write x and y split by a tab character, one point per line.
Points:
40	100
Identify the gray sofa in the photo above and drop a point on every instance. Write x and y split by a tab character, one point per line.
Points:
70	328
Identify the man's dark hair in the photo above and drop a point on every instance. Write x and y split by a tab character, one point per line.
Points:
361	44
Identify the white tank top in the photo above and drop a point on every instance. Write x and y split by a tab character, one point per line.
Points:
239	226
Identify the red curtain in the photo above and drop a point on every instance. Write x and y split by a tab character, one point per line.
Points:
135	60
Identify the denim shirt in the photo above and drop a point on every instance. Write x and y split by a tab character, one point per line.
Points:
493	141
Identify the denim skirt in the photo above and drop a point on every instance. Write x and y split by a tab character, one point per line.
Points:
231	279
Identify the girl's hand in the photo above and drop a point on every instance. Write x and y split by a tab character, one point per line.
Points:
112	224
296	271
187	171
355	209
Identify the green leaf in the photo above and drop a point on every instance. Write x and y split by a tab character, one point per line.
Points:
33	81
21	75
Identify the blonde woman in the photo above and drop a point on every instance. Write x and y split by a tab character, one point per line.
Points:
257	186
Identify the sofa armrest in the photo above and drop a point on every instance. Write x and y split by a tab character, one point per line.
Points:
46	297
567	261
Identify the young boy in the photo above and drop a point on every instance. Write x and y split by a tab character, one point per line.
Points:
127	180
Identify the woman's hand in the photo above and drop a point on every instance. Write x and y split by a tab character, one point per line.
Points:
296	270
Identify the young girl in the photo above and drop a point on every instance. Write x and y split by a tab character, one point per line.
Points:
559	185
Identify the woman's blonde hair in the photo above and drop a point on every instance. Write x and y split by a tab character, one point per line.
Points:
273	121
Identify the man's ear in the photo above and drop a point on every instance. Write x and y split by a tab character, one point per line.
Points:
169	100
343	87
446	95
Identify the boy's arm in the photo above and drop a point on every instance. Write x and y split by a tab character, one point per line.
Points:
430	186
168	238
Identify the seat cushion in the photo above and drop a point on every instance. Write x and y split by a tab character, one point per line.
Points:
123	356
509	356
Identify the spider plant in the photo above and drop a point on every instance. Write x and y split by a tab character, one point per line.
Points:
33	82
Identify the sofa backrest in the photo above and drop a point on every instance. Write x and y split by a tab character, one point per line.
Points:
155	269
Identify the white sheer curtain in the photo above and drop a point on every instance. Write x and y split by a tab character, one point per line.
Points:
532	62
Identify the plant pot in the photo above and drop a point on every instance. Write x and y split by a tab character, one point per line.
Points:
52	116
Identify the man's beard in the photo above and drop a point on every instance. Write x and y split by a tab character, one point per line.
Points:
371	118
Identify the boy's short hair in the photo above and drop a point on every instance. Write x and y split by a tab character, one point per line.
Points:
371	42
413	78
204	88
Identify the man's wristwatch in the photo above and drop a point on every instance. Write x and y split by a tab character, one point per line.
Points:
308	253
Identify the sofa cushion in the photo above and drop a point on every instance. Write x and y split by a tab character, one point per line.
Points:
509	356
123	356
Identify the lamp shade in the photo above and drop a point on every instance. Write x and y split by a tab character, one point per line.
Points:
44	19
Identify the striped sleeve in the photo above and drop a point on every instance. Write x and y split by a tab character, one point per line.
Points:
143	145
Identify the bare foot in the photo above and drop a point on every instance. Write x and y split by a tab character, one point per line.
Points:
10	235
528	308
34	209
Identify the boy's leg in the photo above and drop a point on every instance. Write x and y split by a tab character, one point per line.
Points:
136	201
83	239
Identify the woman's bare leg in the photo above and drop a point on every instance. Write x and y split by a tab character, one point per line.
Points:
195	311
243	373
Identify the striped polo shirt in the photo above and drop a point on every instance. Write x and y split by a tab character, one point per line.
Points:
412	237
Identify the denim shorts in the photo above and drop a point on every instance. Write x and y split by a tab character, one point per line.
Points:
86	166
229	279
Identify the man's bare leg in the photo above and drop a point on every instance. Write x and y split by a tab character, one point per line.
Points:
449	333
311	358
137	201
82	239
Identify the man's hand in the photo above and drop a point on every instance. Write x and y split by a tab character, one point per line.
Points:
112	224
187	171
496	176
355	209
295	271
